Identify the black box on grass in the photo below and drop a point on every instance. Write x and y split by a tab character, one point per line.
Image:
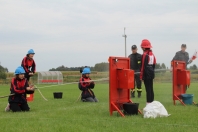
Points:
58	95
130	108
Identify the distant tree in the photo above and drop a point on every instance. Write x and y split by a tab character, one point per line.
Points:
157	66
63	68
101	67
163	66
3	72
193	67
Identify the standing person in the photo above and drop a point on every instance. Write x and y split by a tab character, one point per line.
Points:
19	88
147	73
28	64
135	64
182	55
85	85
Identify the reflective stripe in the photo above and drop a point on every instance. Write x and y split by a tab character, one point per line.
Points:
139	90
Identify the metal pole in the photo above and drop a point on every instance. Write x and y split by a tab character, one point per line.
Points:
125	47
125	36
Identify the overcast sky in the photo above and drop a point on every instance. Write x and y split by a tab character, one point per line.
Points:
85	32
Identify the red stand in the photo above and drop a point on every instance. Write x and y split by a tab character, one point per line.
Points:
121	80
181	79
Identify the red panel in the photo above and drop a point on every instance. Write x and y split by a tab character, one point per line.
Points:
181	78
121	80
125	78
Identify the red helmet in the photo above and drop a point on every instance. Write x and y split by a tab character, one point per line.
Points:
146	44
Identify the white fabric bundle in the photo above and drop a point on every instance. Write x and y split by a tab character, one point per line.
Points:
155	109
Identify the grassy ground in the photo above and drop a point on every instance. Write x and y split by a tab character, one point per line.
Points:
67	115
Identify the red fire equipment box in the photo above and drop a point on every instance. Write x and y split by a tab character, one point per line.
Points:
181	80
121	80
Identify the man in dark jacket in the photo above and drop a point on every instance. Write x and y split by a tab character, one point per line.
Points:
135	64
182	55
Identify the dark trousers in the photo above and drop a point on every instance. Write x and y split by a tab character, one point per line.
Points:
149	90
27	76
138	82
17	107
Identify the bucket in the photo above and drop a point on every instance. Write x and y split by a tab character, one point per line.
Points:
130	108
30	97
58	95
187	98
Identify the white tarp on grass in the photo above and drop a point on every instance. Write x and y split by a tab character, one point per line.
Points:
155	109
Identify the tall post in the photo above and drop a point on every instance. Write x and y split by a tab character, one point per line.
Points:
125	36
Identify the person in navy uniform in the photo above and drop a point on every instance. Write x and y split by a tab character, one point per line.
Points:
135	64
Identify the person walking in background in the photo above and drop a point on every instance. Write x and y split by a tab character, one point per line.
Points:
147	72
135	64
29	64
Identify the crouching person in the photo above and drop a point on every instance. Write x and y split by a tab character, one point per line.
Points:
19	88
85	85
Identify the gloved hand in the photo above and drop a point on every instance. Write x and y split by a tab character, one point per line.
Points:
92	84
30	88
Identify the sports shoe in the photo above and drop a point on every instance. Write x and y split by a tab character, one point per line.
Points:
7	108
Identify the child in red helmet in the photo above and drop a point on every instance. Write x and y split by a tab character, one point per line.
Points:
147	72
28	64
18	90
85	85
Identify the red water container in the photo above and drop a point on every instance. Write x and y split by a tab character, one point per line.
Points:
30	97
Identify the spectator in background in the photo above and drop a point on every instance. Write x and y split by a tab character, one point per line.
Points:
135	64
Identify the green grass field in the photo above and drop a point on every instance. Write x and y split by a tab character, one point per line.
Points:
67	115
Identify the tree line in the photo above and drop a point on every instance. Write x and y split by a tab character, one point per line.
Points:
101	67
3	71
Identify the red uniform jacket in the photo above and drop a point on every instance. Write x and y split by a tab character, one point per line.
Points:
18	88
148	65
85	86
29	65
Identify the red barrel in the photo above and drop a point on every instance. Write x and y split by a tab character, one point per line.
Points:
30	97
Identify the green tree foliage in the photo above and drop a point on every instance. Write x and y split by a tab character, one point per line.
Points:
101	67
98	67
193	67
3	72
163	66
64	68
157	66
